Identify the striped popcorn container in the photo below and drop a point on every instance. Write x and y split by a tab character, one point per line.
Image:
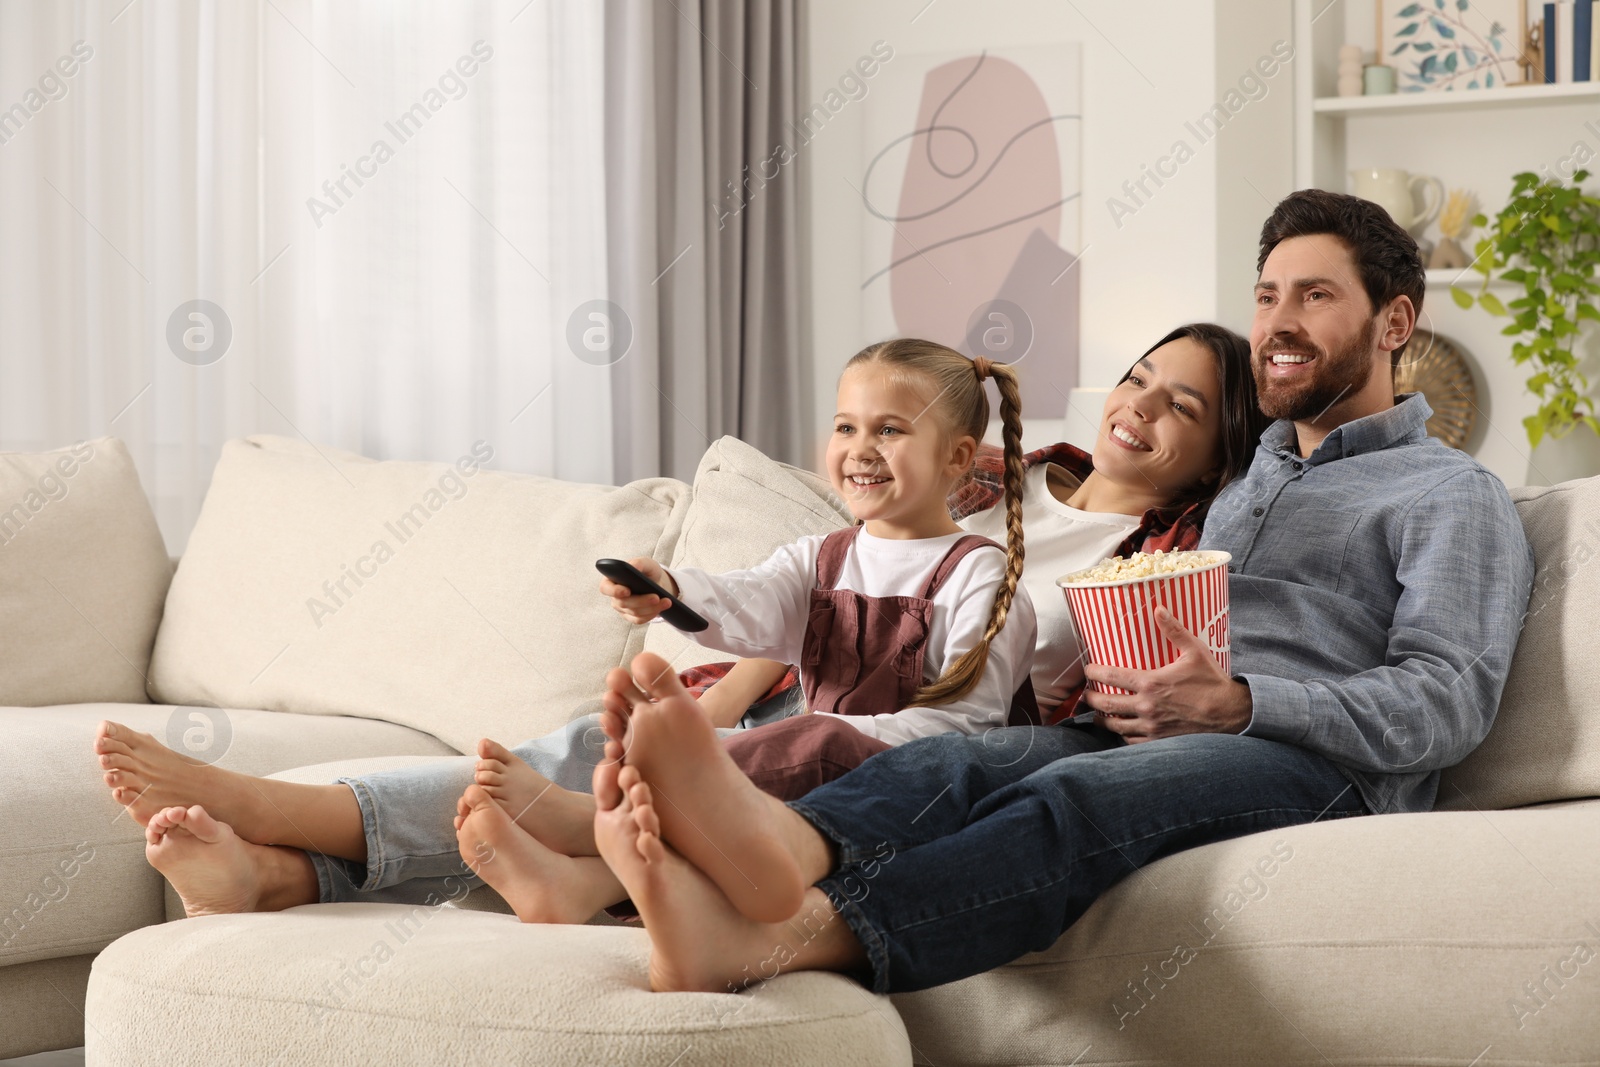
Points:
1116	619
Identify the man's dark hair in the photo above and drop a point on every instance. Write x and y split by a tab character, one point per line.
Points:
1384	252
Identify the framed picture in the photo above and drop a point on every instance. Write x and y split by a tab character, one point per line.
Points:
969	194
1445	45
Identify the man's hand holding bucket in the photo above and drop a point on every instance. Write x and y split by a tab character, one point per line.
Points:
1190	695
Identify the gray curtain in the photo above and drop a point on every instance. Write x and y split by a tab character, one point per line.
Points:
703	239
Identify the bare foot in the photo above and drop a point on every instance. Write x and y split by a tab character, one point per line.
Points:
215	872
542	886
752	846
146	776
561	819
698	941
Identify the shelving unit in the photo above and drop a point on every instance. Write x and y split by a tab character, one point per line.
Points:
1468	280
1473	139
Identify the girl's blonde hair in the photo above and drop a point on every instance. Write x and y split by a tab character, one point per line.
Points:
962	407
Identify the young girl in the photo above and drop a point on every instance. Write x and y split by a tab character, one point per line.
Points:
899	624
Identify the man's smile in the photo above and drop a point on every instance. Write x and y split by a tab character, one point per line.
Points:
1285	362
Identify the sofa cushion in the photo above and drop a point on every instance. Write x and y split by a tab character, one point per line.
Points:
82	575
1545	744
42	1004
73	877
1386	939
745	506
387	983
446	597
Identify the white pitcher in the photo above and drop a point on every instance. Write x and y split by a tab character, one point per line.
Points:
1392	189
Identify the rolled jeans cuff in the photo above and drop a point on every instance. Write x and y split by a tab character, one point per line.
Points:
846	899
341	879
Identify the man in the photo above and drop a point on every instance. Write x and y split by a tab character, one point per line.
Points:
1378	583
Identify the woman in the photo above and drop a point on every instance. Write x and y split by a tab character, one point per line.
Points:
1179	425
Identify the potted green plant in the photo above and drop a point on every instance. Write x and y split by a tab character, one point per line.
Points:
1546	240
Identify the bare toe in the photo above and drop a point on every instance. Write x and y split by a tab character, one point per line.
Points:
489	748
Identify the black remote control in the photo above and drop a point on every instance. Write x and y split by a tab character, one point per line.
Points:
626	574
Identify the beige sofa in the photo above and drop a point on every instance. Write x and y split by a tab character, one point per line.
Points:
331	612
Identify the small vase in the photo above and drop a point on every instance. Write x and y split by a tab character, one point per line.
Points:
1447	255
1562	459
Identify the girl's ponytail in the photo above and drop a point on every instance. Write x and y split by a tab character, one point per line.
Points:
960	677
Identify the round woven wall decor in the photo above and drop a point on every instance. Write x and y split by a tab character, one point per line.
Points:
1437	368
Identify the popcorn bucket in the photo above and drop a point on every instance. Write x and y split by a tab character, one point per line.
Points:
1116	619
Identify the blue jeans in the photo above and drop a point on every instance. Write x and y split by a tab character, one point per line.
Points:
959	854
408	814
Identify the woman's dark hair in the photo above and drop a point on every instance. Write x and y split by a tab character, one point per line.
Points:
1242	421
1385	254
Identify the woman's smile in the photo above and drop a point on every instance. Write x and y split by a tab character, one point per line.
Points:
1127	438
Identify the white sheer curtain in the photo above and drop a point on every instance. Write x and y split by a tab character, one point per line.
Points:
401	301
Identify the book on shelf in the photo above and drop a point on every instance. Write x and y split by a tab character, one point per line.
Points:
1560	49
1571	42
1582	40
1594	43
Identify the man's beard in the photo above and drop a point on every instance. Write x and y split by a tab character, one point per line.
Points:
1334	376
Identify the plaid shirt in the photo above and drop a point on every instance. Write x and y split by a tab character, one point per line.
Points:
1160	529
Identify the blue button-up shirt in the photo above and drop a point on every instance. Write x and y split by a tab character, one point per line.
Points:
1378	587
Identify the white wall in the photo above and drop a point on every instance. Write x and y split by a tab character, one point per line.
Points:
1148	69
1255	157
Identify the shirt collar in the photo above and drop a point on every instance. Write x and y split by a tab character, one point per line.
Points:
1403	424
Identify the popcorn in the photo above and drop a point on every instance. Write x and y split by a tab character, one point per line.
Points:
1142	565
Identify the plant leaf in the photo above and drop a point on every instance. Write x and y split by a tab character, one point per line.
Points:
1492	304
1535	427
1462	298
1408	29
1408	11
1443	29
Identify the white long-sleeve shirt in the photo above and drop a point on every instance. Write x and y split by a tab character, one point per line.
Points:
763	612
1059	540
